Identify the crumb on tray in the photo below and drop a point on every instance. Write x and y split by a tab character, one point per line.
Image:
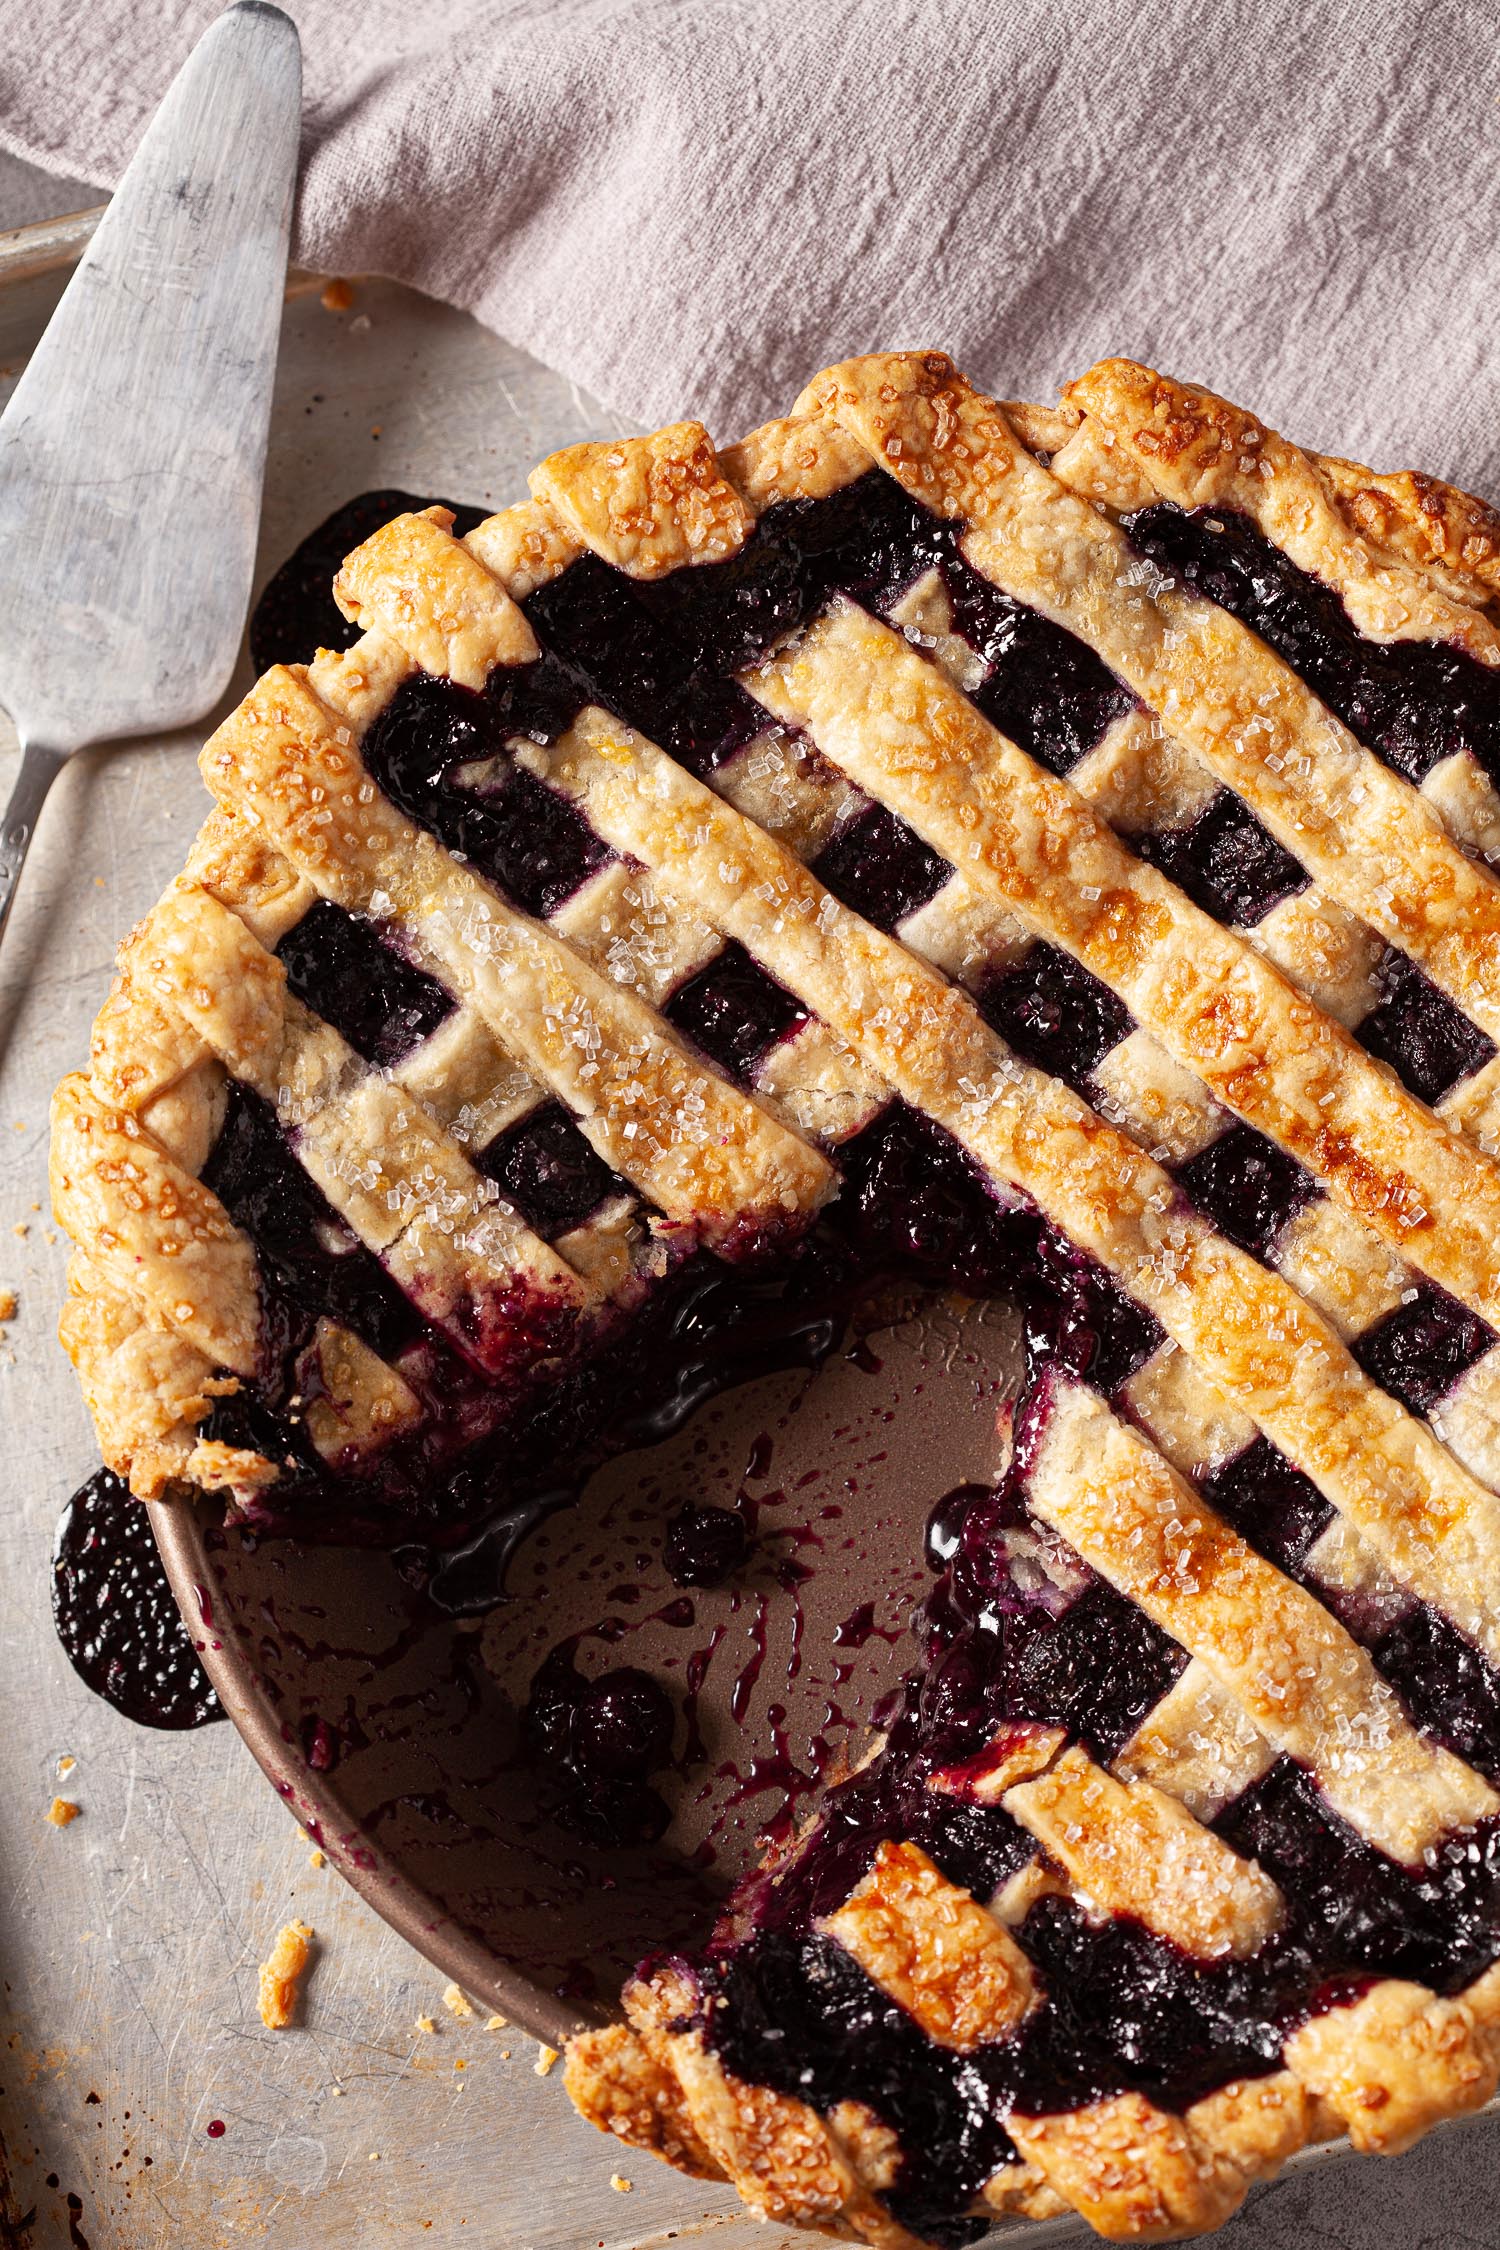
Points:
62	1810
620	2184
10	1304
337	296
281	1974
457	2002
545	2058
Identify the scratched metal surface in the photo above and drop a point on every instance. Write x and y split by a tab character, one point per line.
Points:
129	1941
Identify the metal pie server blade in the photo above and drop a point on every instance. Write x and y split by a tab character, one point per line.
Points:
133	447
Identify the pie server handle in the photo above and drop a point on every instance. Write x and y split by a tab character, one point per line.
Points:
132	451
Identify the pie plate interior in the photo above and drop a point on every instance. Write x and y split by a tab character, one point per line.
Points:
392	1733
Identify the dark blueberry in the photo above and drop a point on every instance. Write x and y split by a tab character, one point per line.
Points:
614	1815
1428	1041
1249	1187
1275	1507
546	1168
735	1010
342	969
1413	702
548	1717
622	1724
116	1615
1055	1013
870	541
1226	862
1045	690
598	627
704	1546
1362	1911
880	867
945	1523
1421	1348
296	614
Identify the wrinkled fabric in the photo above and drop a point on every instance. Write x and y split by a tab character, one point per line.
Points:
691	208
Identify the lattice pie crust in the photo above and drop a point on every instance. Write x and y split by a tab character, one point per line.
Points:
1233	1025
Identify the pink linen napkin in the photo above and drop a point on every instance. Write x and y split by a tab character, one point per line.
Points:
690	208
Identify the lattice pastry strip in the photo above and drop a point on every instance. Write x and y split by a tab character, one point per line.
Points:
1258	1341
893	722
700	1150
1354	825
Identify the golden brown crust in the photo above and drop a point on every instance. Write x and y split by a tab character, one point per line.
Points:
1394	2062
648	505
614	2082
937	1953
435	599
1136	2173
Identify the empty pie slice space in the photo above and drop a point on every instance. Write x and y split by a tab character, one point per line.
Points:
1040	852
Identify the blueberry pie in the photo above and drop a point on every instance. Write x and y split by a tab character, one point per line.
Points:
1042	851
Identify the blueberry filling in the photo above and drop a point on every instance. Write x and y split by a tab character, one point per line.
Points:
704	1546
1412	702
311	1266
1275	1507
1427	1040
546	1168
115	1613
1422	1347
1251	1189
1044	689
513	829
595	1743
735	1010
344	971
1226	862
1056	1013
880	867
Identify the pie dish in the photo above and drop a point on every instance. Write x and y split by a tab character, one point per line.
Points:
1041	850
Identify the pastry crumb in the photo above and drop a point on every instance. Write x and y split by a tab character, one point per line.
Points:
62	1810
317	1859
21	1229
457	2002
497	2023
281	1975
427	2024
337	296
66	1762
9	1304
620	2184
545	2058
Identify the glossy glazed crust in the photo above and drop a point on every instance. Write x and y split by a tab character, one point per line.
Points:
164	1306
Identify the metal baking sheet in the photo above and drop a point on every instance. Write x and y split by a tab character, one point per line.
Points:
129	1940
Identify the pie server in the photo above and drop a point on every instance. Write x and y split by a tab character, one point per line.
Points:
133	447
